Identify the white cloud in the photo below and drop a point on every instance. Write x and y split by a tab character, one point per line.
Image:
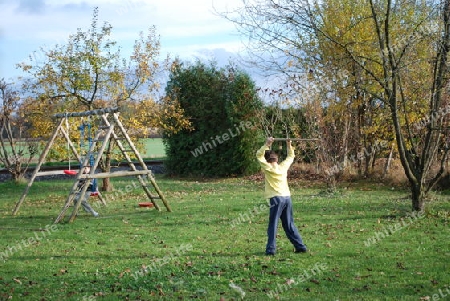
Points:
31	6
185	27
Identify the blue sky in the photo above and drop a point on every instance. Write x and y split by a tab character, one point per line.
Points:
187	29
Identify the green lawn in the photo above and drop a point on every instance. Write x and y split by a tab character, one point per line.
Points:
364	245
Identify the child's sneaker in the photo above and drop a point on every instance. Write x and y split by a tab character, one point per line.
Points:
301	250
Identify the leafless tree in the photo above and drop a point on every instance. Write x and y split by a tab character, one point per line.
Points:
16	153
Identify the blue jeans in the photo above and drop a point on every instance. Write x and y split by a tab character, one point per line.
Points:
84	203
281	208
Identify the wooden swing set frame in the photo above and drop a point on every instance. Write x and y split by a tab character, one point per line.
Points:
105	133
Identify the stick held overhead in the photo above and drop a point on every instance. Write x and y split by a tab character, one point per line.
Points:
296	139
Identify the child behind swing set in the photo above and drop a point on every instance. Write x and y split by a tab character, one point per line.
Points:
92	188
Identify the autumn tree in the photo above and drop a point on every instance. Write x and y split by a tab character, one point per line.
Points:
89	72
404	91
403	74
16	152
149	117
393	56
280	44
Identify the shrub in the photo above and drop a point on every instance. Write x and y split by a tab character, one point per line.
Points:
221	105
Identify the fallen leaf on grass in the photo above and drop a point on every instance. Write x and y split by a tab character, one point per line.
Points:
359	277
290	281
126	271
314	281
161	292
364	288
61	272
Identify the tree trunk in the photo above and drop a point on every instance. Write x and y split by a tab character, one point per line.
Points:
368	164
418	196
331	183
106	167
17	177
106	183
388	162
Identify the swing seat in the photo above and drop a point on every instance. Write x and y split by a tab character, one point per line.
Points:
71	172
146	204
94	193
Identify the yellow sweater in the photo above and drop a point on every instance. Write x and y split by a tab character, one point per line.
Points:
275	175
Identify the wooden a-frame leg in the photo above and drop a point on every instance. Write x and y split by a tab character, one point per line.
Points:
100	197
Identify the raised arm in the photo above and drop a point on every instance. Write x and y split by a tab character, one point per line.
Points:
290	154
260	153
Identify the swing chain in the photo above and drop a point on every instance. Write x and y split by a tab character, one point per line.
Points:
85	129
66	116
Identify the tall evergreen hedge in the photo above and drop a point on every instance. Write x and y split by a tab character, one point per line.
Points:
221	104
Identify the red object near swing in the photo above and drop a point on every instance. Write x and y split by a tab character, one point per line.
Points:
71	172
74	173
146	204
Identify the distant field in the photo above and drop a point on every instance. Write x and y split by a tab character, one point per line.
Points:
154	148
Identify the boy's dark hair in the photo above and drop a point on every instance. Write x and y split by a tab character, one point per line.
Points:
271	156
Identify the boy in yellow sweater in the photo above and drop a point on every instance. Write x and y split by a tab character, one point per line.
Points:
277	191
